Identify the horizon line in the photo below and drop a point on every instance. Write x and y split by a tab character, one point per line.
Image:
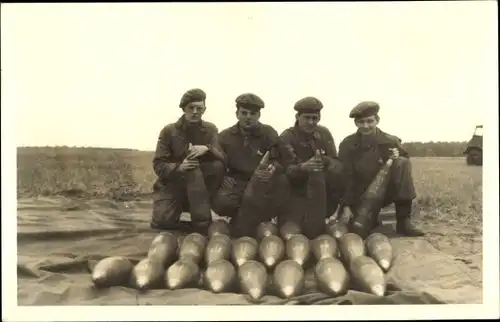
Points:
145	150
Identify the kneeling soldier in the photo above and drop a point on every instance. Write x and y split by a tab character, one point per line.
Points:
363	153
245	144
188	144
302	142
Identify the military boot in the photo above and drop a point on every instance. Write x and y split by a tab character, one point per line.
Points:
403	220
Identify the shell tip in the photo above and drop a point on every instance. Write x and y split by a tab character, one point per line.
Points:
385	264
141	282
173	283
255	293
216	286
98	277
336	287
378	290
288	291
269	261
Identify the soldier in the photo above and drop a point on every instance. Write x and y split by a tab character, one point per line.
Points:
183	146
244	144
362	155
301	142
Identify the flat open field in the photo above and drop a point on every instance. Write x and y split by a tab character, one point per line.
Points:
449	191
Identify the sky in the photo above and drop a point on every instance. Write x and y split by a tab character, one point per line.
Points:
112	75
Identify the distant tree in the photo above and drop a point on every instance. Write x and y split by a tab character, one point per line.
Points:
435	149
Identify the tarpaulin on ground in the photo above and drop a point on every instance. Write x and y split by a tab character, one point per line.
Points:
60	240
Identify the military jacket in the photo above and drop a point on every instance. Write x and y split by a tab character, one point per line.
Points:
244	151
301	147
362	158
173	144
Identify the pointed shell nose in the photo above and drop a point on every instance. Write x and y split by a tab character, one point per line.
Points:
216	286
255	293
141	282
336	287
99	277
241	261
269	261
174	283
288	291
378	290
384	263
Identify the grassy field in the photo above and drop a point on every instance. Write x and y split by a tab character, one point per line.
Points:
449	192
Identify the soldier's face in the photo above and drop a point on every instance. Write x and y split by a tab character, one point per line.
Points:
367	125
193	111
247	118
308	121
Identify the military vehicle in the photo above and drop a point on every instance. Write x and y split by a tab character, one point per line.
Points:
474	150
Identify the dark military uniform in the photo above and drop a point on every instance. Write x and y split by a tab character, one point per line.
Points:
244	151
169	190
301	147
362	157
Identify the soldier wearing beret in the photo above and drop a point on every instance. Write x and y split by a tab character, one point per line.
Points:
301	142
183	146
244	144
362	155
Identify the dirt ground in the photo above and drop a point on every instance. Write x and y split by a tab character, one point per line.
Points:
462	242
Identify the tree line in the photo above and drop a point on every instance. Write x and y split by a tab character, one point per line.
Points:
435	149
415	149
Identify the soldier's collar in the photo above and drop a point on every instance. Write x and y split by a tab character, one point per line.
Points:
183	125
236	129
380	137
314	134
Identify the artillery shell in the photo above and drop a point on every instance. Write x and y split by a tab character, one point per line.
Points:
266	229
367	275
288	278
219	276
289	229
271	250
193	246
218	247
111	271
331	276
324	246
253	279
218	226
243	249
182	273
147	274
379	248
163	249
351	246
298	248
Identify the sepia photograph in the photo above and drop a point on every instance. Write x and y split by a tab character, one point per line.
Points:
250	161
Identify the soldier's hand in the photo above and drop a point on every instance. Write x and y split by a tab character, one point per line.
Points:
188	164
196	151
394	153
264	174
346	215
313	164
228	182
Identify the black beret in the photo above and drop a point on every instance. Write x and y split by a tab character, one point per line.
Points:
308	105
249	100
193	95
364	109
